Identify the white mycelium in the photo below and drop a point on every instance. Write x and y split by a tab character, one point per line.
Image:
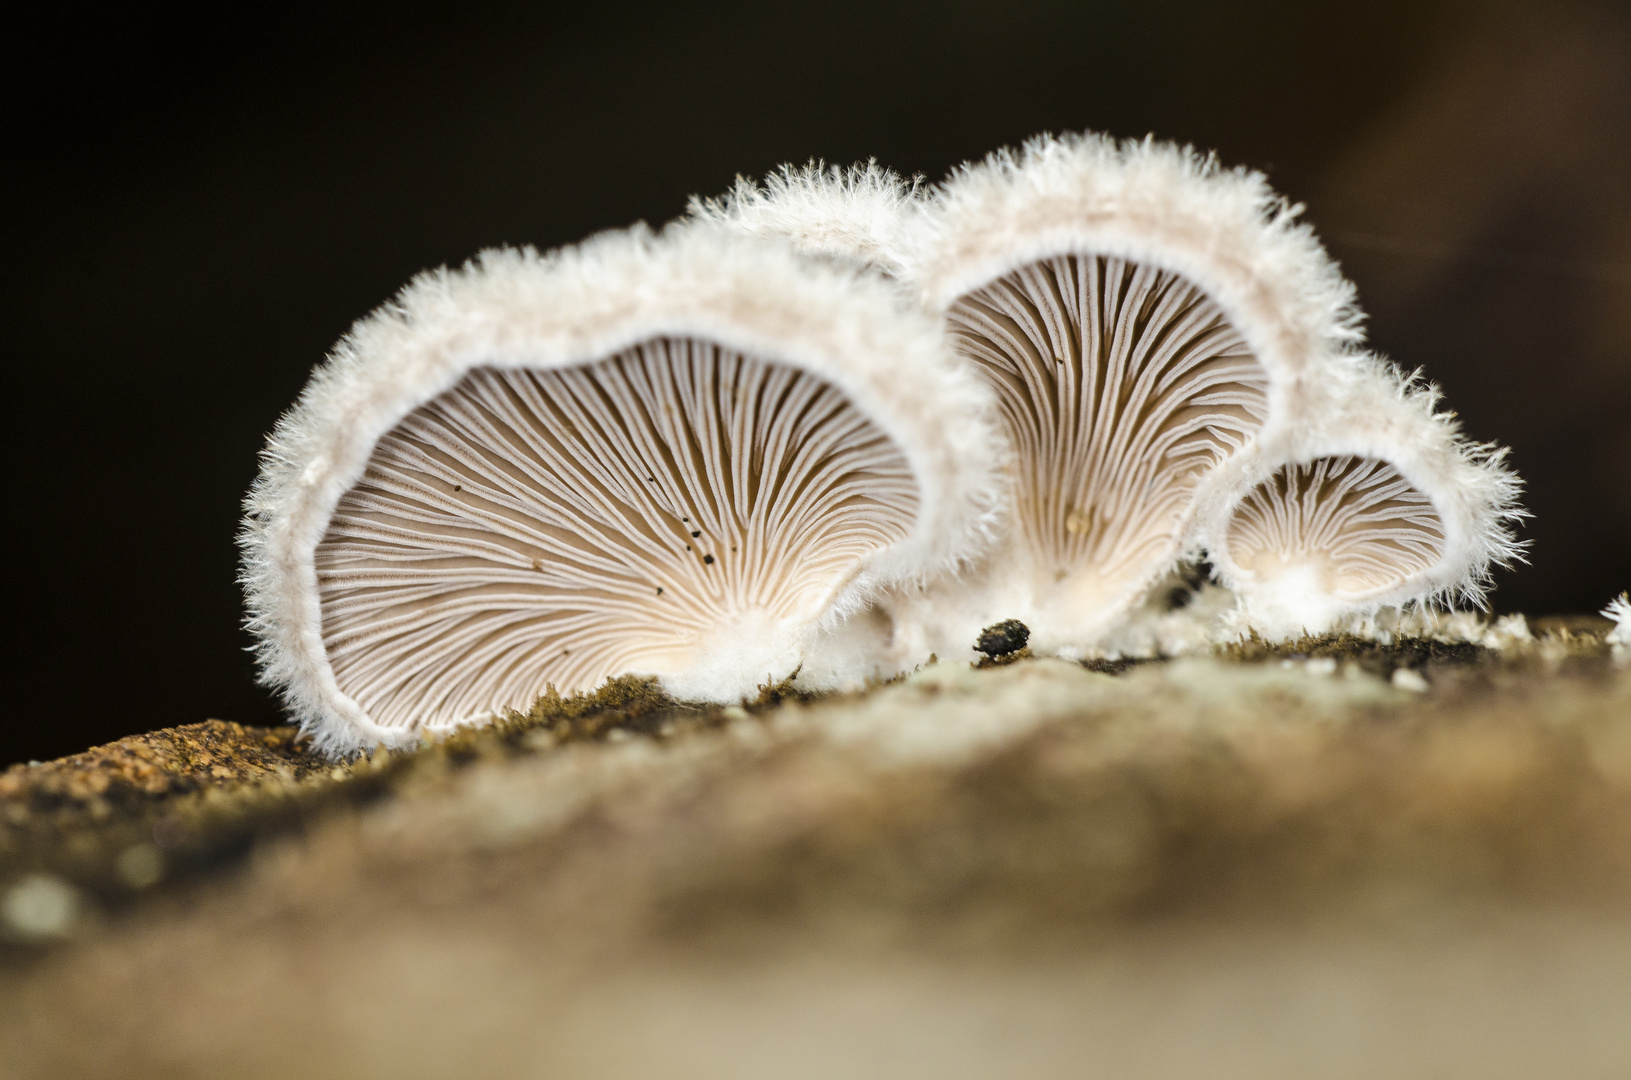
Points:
1372	501
1142	315
685	456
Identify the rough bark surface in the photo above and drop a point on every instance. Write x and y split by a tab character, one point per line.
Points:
1331	859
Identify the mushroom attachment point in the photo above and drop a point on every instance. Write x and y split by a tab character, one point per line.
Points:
686	456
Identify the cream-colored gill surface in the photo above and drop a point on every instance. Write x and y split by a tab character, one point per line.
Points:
1121	385
535	527
1355	521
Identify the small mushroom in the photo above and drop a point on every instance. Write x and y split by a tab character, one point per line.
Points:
1142	315
1373	501
686	455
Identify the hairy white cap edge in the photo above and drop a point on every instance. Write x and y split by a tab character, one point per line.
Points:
1149	202
859	213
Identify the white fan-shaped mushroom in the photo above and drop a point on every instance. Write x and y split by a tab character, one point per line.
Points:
856	214
1143	315
1371	501
680	455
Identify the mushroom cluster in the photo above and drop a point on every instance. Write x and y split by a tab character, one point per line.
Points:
1179	370
831	424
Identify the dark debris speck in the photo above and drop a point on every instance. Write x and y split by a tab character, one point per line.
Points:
1003	639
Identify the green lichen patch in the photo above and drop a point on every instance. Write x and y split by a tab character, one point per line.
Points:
780	692
162	763
1573	645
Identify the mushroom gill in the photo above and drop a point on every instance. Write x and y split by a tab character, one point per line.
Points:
1372	500
1334	530
1120	386
672	507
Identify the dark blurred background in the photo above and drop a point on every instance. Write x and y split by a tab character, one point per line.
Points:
196	207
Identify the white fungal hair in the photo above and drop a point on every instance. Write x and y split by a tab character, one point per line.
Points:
1144	315
1153	203
856	213
1619	638
1619	611
493	484
1373	500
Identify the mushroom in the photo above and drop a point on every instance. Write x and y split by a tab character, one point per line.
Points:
1142	315
1372	501
855	214
683	455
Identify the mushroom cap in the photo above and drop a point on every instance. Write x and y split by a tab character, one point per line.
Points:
1374	500
501	462
1144	315
1146	202
857	213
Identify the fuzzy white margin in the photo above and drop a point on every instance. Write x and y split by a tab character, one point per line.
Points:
859	213
1151	202
510	308
1367	408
